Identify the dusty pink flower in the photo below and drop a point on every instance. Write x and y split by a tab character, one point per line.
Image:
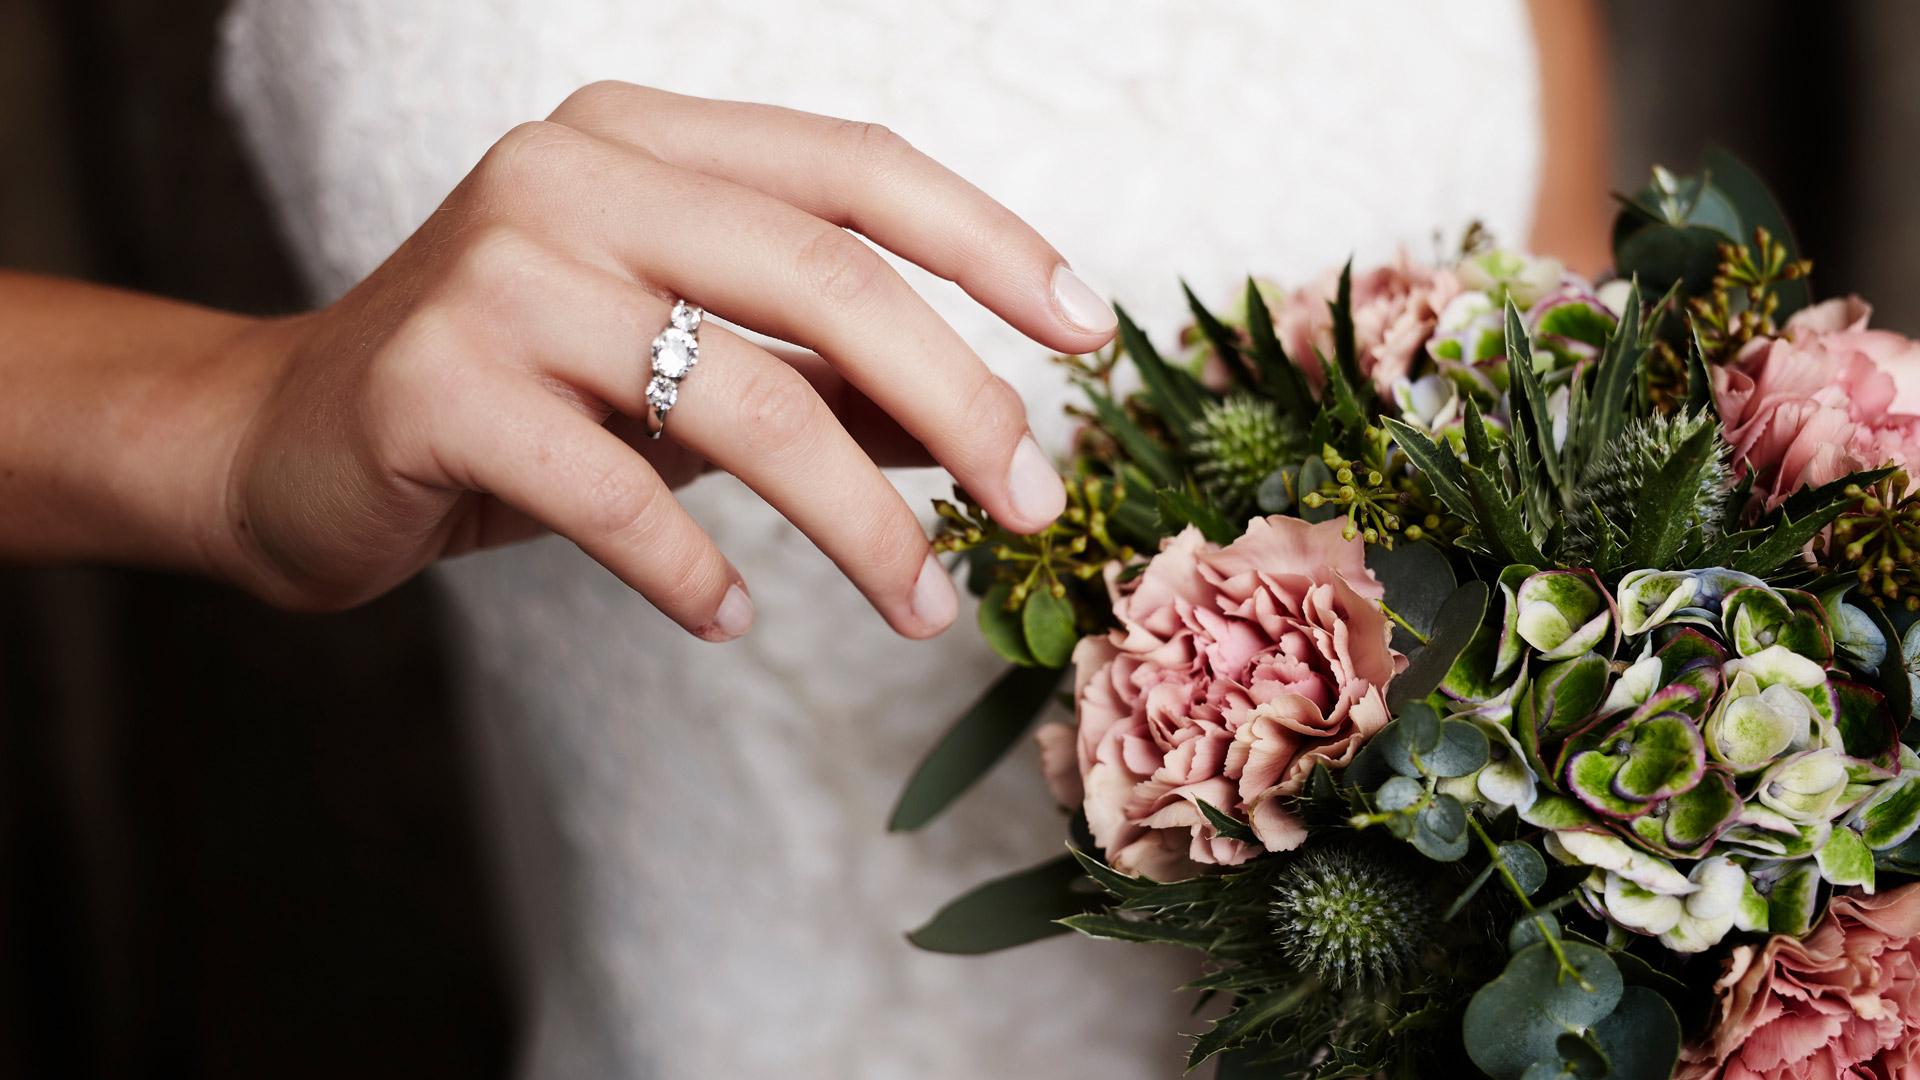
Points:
1842	1004
1395	308
1826	398
1233	671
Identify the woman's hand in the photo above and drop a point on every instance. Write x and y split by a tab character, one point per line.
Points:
488	380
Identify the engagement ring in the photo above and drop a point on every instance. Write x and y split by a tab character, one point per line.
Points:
675	352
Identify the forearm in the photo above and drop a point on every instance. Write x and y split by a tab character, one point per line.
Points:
119	414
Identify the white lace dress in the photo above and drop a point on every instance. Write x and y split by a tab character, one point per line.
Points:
692	836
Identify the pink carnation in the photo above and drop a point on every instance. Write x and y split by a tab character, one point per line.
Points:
1233	672
1827	398
1843	1004
1395	308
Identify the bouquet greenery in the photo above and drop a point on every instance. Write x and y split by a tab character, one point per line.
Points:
1487	671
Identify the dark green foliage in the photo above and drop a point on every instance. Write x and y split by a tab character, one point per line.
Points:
1628	475
975	742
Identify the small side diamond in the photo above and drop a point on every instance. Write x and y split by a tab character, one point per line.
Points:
662	392
674	353
685	316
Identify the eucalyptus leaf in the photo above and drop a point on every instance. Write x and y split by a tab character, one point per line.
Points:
1313	476
1758	207
1418	580
1453	628
1462	749
1641	1037
1516	1019
1440	830
1525	864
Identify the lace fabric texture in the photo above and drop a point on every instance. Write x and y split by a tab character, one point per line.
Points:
690	835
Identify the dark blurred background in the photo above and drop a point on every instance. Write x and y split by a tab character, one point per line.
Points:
239	843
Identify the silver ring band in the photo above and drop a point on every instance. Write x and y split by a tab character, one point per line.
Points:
675	351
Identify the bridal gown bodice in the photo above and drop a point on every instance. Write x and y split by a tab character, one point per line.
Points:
691	836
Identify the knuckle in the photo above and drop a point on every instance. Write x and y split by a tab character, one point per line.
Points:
527	155
620	503
839	268
496	263
995	414
895	548
873	145
700	579
599	98
780	409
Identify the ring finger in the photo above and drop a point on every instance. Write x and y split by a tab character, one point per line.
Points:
752	415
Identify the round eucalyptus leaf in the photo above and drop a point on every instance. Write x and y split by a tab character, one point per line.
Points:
1532	930
1315	475
1581	1057
1462	749
1440	830
1399	793
1418	579
1525	863
1641	1038
1275	495
1517	1019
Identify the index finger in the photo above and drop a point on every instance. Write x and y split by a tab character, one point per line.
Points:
865	178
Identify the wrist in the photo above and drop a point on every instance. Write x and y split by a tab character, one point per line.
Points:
120	422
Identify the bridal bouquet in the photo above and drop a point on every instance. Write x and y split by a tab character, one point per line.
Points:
1485	670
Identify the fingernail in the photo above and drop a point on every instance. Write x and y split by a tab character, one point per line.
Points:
934	602
1079	304
735	615
1033	485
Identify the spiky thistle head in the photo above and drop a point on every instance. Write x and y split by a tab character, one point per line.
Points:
1618	481
1349	917
1236	444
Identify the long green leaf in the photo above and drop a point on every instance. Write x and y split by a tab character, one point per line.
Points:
1614	377
1530	400
1345	348
1281	376
1343	399
1221	338
981	737
1115	928
1008	911
1665	520
1173	392
1139	447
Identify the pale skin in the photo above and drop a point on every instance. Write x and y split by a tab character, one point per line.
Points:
485	384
